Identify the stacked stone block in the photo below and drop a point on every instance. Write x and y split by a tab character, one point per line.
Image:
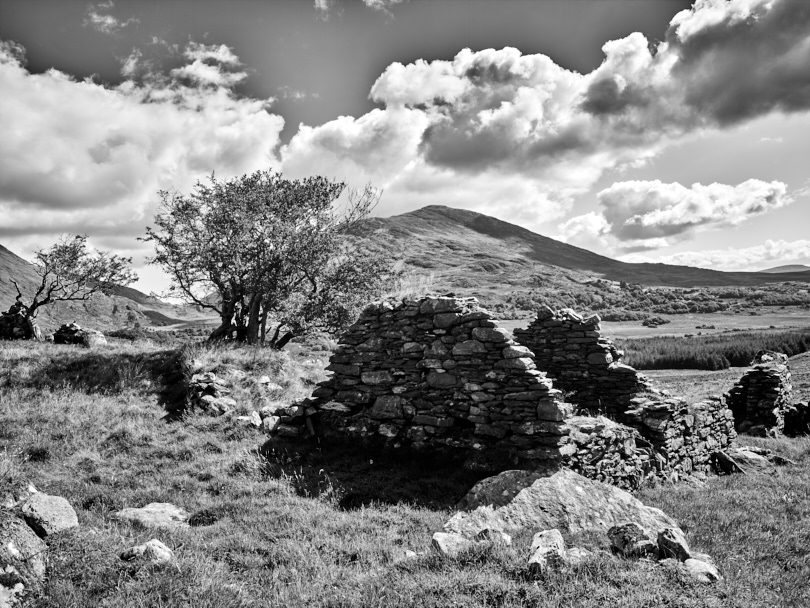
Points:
608	452
436	372
581	362
683	436
762	396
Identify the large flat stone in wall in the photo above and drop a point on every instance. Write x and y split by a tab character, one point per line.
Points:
387	406
438	380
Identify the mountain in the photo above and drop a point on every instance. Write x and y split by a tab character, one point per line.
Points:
126	306
465	246
787	268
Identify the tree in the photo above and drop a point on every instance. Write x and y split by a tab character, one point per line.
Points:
268	249
70	271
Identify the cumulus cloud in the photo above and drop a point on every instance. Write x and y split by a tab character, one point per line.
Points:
324	8
382	5
82	157
211	65
745	259
637	210
99	18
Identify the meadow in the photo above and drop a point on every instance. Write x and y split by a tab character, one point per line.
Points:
328	525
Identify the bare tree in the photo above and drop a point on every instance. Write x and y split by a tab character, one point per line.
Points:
260	249
70	271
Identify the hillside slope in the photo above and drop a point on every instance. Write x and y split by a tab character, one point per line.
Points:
457	244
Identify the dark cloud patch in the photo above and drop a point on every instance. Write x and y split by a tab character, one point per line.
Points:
741	68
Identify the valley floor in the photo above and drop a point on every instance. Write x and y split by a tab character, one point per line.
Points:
278	526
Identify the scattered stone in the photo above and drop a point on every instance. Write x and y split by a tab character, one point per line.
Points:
702	571
631	540
15	326
672	543
155	515
153	551
450	544
48	515
575	556
547	551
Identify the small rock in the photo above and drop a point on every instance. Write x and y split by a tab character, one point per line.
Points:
547	551
22	554
152	551
631	540
494	536
156	515
576	556
702	571
672	543
450	544
48	514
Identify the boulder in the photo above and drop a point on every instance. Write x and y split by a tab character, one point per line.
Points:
48	514
566	501
155	515
450	544
153	551
73	333
22	559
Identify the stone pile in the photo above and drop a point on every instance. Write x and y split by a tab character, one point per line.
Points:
683	436
210	393
570	348
73	333
436	372
762	396
15	326
609	452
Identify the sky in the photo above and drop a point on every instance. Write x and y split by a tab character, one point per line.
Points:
645	130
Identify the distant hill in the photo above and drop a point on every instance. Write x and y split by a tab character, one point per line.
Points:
787	268
465	248
126	306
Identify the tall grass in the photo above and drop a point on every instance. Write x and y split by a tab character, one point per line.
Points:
711	352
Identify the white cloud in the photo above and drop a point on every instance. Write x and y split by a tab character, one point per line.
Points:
82	157
324	8
99	18
638	210
382	5
744	259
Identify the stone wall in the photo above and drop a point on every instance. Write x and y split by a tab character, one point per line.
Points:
436	372
581	362
683	436
608	451
763	395
14	325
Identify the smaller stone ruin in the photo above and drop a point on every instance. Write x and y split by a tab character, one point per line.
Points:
14	325
762	397
581	362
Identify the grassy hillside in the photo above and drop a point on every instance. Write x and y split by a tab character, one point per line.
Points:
314	527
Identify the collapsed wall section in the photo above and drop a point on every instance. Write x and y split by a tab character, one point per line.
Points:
763	396
581	362
683	436
436	372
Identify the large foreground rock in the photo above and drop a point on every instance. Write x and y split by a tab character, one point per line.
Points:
566	501
22	560
156	515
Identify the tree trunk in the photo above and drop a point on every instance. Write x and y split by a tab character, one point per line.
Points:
223	332
282	342
253	322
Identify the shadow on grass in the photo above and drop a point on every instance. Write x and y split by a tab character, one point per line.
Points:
356	475
110	373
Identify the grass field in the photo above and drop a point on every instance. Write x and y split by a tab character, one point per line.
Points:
329	526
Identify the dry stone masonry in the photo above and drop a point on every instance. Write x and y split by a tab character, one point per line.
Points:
762	397
437	372
15	326
683	436
580	361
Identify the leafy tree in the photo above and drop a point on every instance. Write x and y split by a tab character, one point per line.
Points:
70	271
263	249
